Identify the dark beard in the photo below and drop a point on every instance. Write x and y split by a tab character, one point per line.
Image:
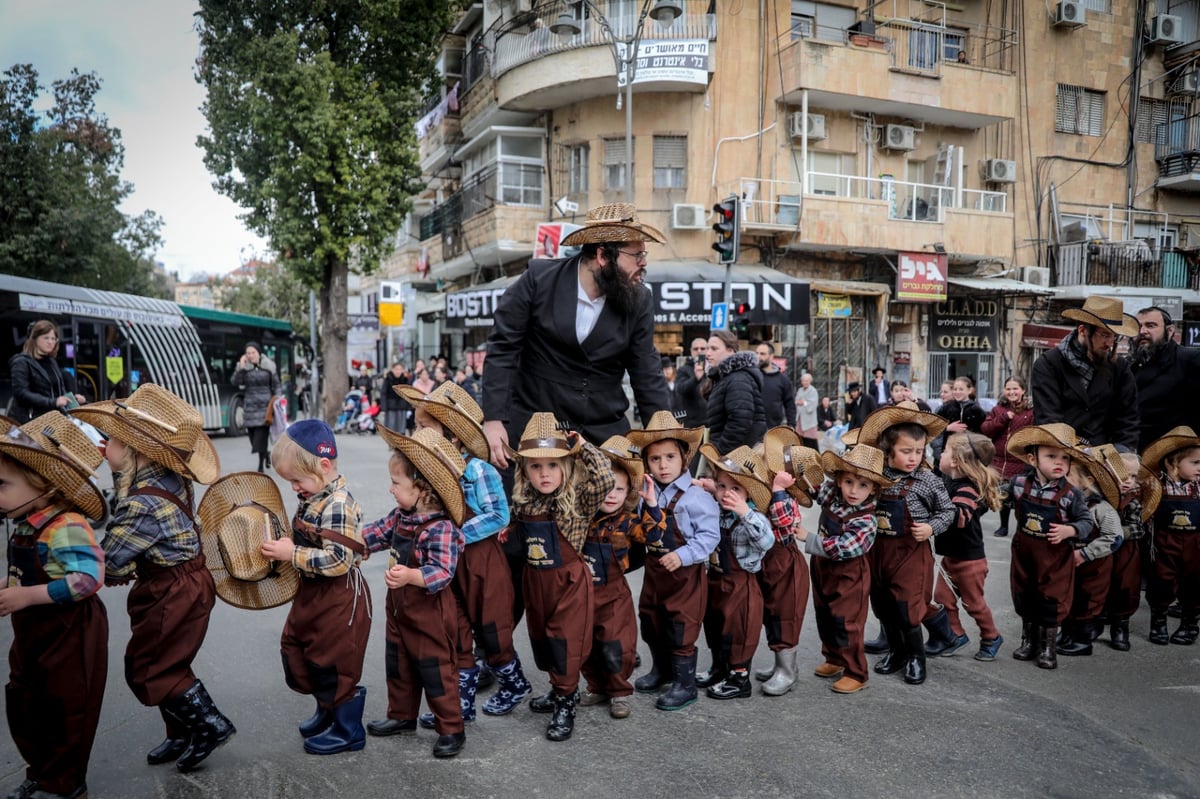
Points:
1145	351
623	292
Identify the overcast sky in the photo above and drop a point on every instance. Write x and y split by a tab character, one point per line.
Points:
143	51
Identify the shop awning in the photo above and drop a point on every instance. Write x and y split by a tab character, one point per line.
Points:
858	287
1043	337
1000	285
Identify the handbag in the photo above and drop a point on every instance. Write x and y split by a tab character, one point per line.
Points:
270	411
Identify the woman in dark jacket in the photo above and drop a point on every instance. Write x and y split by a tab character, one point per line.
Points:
1010	415
256	378
962	411
735	406
39	384
395	407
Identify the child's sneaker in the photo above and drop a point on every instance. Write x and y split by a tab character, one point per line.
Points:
989	648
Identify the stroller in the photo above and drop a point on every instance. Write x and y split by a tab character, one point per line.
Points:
352	407
365	421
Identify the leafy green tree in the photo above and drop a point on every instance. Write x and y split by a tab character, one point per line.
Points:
273	292
61	188
310	106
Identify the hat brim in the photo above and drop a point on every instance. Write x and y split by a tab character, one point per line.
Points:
464	428
632	466
758	491
1103	477
834	463
605	232
777	452
223	497
69	479
1160	448
1126	328
1033	436
890	415
1151	492
690	436
202	464
429	463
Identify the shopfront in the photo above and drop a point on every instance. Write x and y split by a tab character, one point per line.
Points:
964	339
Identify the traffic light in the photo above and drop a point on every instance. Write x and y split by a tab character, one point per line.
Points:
739	320
728	228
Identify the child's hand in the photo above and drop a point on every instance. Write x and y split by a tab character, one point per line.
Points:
670	561
1079	560
16	598
921	531
279	549
502	536
707	483
1060	532
397	576
649	492
956	427
730	500
782	481
801	533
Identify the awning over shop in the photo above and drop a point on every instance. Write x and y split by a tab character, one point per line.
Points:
1043	337
1001	285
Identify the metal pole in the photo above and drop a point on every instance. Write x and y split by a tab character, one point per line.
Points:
315	408
630	61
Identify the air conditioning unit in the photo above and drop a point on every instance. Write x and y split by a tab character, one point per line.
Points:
900	137
997	170
813	126
1187	83
1070	14
1166	29
685	216
1037	275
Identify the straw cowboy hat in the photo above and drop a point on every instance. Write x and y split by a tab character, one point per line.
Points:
1104	312
622	452
746	467
863	461
1175	439
905	412
237	514
544	437
161	426
438	462
664	426
455	409
1151	492
1094	460
54	448
783	452
614	222
1055	434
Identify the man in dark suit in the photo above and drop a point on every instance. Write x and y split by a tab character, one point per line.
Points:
858	405
1167	376
567	332
881	389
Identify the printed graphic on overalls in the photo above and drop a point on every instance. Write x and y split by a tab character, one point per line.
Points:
590	560
1033	524
883	522
1181	520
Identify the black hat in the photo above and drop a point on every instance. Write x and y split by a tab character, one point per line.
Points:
855	386
667	360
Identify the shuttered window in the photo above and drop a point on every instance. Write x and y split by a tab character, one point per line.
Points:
1153	112
614	164
1079	110
670	162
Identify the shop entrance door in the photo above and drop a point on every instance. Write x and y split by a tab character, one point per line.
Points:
980	367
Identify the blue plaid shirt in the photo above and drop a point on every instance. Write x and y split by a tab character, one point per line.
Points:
485	497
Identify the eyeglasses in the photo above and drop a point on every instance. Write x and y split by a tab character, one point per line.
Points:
637	256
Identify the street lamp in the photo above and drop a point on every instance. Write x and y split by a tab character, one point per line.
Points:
661	11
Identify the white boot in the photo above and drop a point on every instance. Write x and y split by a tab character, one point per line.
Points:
785	673
762	675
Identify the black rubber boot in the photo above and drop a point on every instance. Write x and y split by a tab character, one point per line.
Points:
1158	629
1047	658
208	727
171	748
914	664
718	671
1028	643
942	639
682	692
1075	640
543	703
1002	530
658	676
896	657
1119	635
562	723
735	686
1189	630
450	744
878	645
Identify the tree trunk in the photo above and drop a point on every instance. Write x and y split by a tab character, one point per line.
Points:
334	327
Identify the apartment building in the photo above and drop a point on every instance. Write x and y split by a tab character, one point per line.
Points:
1012	157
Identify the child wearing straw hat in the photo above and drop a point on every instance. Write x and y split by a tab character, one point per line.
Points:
58	662
483	581
324	639
1140	494
733	615
1175	457
157	449
560	483
1050	512
675	584
424	543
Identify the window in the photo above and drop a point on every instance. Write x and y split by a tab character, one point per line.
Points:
827	170
954	45
506	169
820	20
614	164
803	26
577	168
1099	6
670	162
1079	110
1152	113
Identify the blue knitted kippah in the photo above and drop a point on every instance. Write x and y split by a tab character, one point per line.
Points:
314	436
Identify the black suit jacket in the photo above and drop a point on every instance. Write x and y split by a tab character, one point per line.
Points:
1166	392
535	363
1105	411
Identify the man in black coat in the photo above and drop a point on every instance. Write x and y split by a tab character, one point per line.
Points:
1167	377
858	405
689	383
779	397
1080	382
567	332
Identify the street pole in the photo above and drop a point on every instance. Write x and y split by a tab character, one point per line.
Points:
630	71
314	411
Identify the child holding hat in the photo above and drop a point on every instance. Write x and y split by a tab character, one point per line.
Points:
1050	512
560	483
157	449
675	585
423	542
325	636
1175	457
58	662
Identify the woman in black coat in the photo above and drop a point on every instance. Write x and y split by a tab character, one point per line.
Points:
39	384
255	376
735	412
395	407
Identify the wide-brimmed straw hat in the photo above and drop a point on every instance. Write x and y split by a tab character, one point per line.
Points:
864	460
438	462
237	514
54	448
905	412
1104	312
783	452
1097	464
663	426
1055	434
160	425
455	409
625	454
613	222
1151	492
1176	438
746	467
544	437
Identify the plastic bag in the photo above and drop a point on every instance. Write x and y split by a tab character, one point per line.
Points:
279	422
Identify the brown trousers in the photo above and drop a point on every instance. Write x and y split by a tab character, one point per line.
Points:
1042	579
783	581
1125	591
558	615
57	668
1176	572
840	591
968	578
420	654
734	614
484	592
901	579
671	606
1092	580
325	638
169	610
614	638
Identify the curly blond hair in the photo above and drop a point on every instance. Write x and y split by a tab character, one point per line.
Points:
525	496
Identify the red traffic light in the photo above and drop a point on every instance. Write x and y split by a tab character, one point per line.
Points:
741	307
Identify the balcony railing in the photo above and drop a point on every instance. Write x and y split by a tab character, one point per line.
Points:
502	184
1133	264
1177	146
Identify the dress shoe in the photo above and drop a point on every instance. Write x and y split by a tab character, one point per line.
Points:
1119	636
829	671
450	744
848	685
385	727
734	686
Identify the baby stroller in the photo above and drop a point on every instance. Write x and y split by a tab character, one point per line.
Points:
365	421
351	407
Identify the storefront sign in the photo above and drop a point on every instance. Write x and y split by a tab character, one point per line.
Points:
964	325
832	306
921	277
473	307
673	60
547	237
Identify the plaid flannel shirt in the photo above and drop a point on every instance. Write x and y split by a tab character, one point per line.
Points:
485	497
783	515
926	499
591	487
750	537
149	527
624	526
858	525
330	510
68	552
438	547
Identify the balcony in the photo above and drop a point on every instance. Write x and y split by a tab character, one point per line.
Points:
845	212
1123	264
1177	151
909	70
439	130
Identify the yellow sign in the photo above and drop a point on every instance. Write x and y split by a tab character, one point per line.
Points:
114	368
830	306
391	314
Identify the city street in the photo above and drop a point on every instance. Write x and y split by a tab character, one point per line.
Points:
1111	725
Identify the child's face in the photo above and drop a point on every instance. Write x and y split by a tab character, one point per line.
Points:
18	496
1189	465
664	461
897	393
946	463
403	489
615	500
1081	478
305	484
424	419
730	494
1051	462
546	475
115	452
907	453
855	490
960	391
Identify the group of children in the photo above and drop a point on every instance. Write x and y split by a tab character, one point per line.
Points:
721	554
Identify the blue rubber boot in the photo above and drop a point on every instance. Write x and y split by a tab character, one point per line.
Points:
347	733
512	691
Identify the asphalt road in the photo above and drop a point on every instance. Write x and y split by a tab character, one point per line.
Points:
1111	725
